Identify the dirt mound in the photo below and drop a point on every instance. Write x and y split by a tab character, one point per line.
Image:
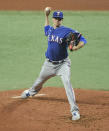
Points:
51	112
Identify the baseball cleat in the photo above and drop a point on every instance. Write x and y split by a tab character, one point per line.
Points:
25	94
75	115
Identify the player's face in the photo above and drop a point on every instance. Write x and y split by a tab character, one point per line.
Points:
57	22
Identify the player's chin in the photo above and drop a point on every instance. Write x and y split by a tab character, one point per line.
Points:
57	25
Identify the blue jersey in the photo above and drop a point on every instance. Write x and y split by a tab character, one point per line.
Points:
57	49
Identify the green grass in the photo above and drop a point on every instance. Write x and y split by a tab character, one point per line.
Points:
23	46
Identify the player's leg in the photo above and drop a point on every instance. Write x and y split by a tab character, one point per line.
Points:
64	72
47	72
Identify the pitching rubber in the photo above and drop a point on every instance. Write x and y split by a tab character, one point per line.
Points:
19	97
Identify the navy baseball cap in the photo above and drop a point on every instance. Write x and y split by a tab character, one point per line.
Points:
58	14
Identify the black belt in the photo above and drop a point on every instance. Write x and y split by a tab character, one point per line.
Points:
56	62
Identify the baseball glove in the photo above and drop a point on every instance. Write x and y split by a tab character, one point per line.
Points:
72	39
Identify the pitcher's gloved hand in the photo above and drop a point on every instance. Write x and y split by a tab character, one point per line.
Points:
72	40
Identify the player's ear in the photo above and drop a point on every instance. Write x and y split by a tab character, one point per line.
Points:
61	19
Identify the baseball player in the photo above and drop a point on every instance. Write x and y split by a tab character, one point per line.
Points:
57	62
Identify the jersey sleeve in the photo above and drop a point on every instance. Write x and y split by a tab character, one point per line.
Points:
46	30
83	40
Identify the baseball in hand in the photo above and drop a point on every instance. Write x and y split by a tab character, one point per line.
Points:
47	10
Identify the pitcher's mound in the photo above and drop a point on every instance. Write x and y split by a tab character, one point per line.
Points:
51	112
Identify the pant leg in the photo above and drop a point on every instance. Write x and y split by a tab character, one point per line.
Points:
47	72
64	72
